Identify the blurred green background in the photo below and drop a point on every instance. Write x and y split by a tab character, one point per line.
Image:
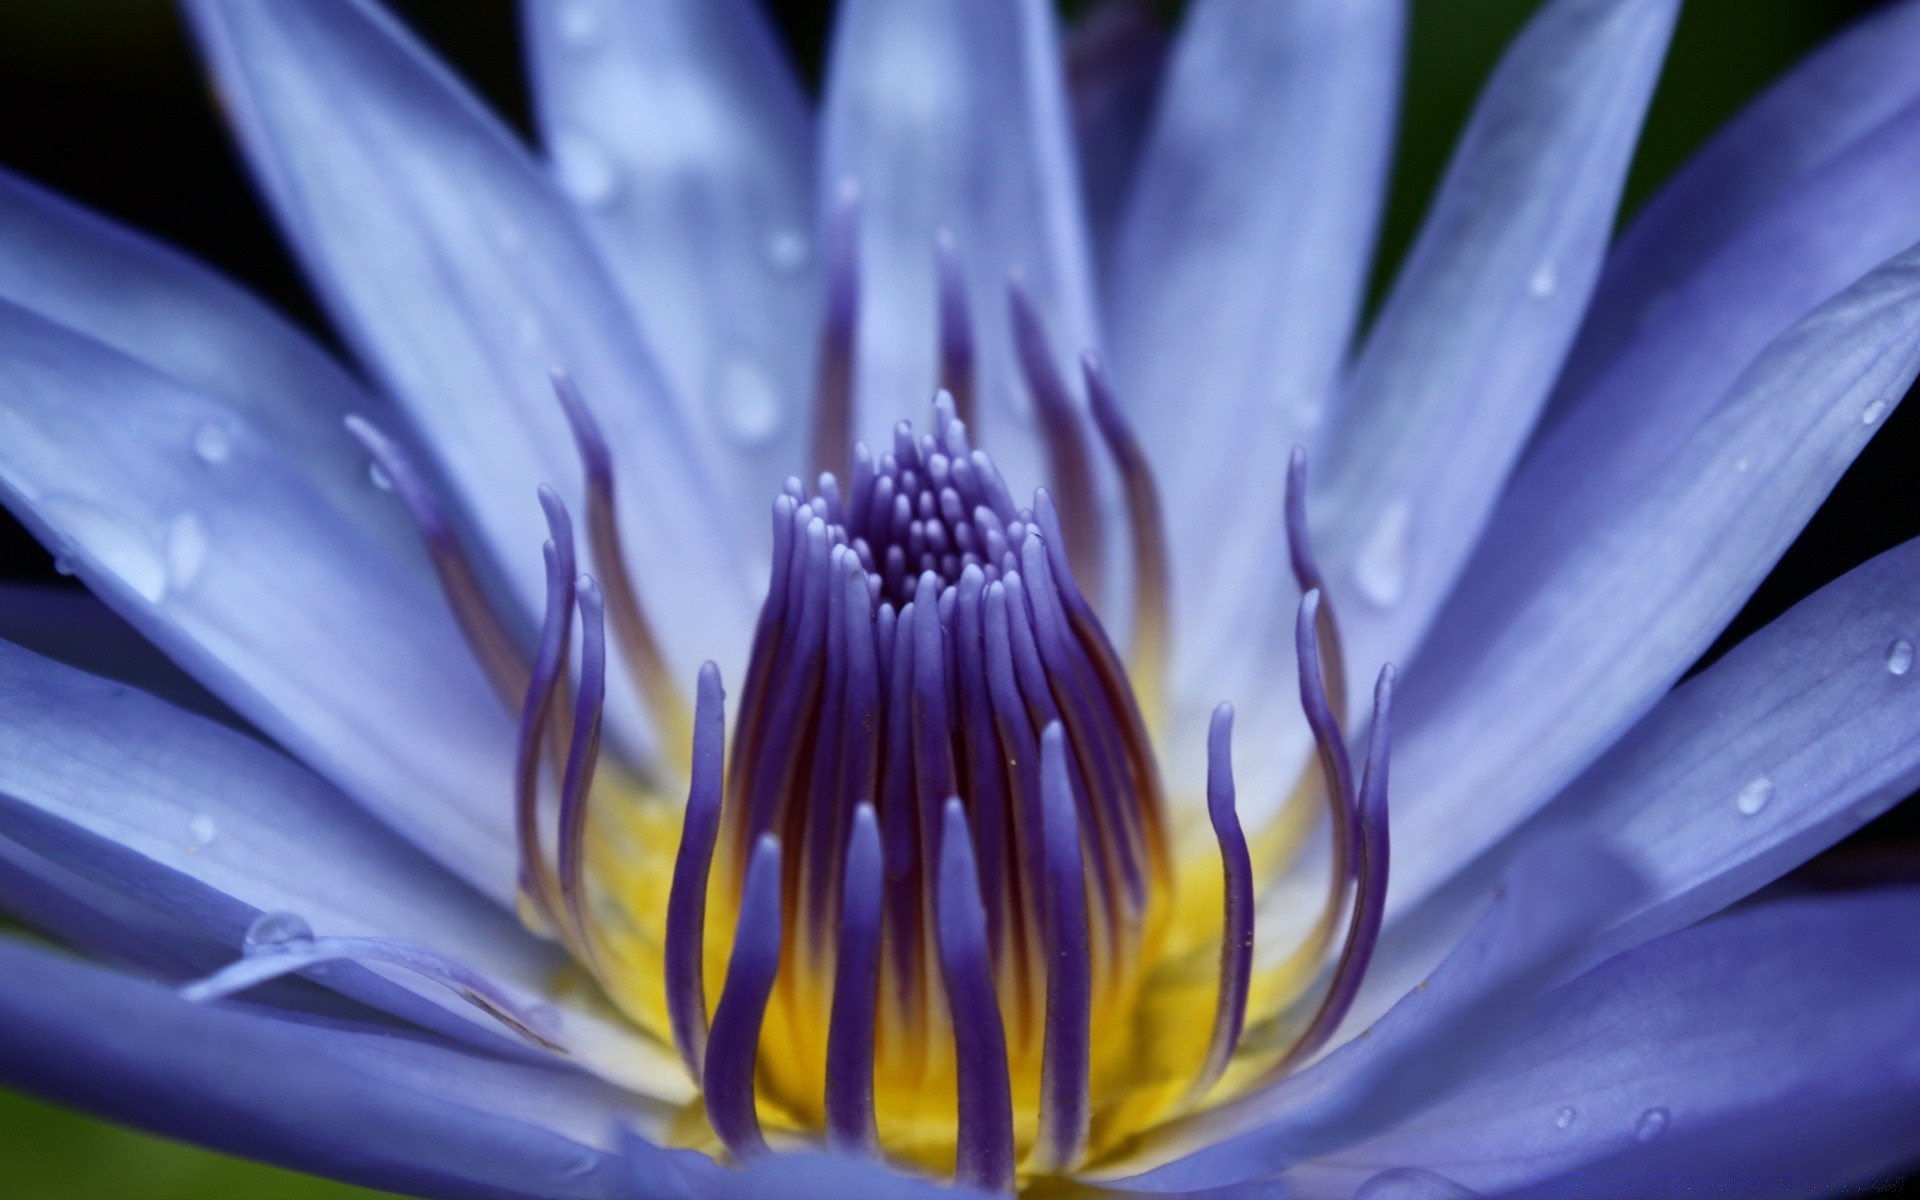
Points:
102	101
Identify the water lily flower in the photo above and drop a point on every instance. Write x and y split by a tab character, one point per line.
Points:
1029	805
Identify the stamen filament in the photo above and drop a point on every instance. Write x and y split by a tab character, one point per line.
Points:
840	330
1152	570
1065	1076
583	753
1069	465
687	899
851	1126
984	1141
956	331
1236	926
733	1046
536	879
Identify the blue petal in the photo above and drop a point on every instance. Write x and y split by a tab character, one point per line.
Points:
79	270
1768	1008
682	132
461	276
73	627
1556	898
1240	266
1500	715
691	1176
1468	345
951	114
1827	105
102	923
245	573
373	1107
1116	56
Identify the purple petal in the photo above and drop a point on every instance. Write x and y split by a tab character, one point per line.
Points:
246	574
373	1107
1239	268
1500	716
951	115
1467	347
1116	59
73	627
1769	1008
461	276
683	134
99	922
1824	107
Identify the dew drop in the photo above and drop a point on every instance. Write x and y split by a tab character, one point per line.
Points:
1754	797
63	566
1545	281
1652	1124
122	548
201	831
1380	570
748	402
1564	1118
276	931
579	24
1872	413
377	475
212	444
1899	657
586	173
186	550
786	250
1411	1183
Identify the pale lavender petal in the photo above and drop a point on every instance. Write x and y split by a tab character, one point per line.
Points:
1500	716
680	129
99	922
1821	109
1239	268
248	576
1769	1007
73	627
1468	345
951	114
1116	59
461	275
374	1107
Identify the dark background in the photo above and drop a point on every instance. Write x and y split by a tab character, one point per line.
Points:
102	100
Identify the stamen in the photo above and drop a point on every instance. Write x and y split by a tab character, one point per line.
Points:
1370	902
583	753
1147	656
733	1047
536	880
956	331
636	632
1306	572
687	900
1236	927
1065	1083
1336	767
984	1153
851	1127
833	392
1068	463
486	633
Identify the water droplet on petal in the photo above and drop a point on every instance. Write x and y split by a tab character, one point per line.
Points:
276	931
586	173
186	550
1652	1124
1564	1118
121	547
1380	570
748	402
63	566
1754	797
201	831
1411	1183
212	444
786	250
579	24
377	475
1544	281
1872	413
1900	657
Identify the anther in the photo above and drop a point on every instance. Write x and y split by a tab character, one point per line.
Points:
687	898
851	1127
583	753
956	331
1069	465
1147	656
733	1045
984	1151
537	884
1236	926
1065	1108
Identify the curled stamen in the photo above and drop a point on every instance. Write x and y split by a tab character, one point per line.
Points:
1306	572
583	754
956	331
486	633
851	1127
1236	927
1068	463
833	393
984	1153
687	899
733	1046
636	632
1336	766
1370	902
1147	657
536	879
1065	1109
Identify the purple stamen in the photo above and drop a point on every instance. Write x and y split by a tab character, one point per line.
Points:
956	330
536	880
1236	925
833	390
1306	572
1151	566
851	1127
984	1143
687	900
1336	767
583	755
733	1047
499	654
1370	903
1065	1109
1068	463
